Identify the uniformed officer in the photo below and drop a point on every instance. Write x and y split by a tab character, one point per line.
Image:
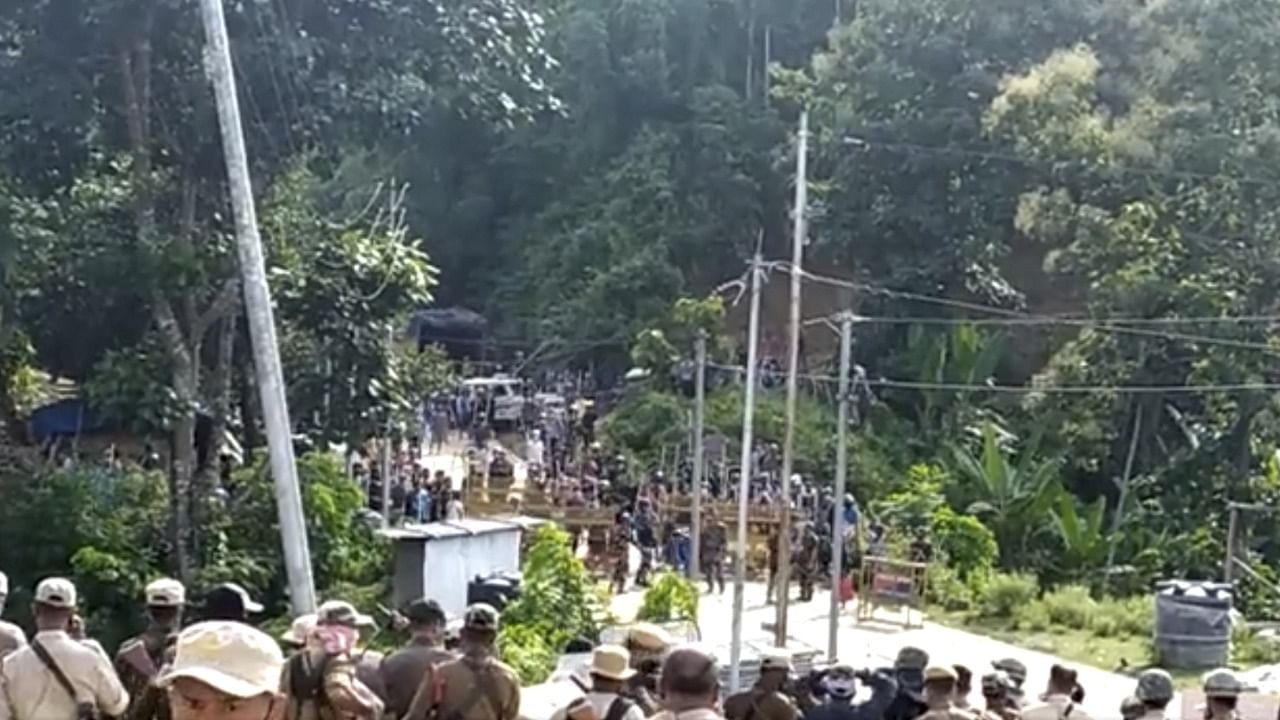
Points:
765	700
57	677
621	544
11	636
1059	701
939	695
140	658
1016	671
1155	690
995	691
841	685
908	669
320	681
806	561
648	645
690	685
403	670
1222	690
715	540
475	686
223	671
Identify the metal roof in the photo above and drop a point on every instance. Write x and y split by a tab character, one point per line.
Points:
457	528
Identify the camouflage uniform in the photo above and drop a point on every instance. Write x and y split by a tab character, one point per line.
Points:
806	563
714	543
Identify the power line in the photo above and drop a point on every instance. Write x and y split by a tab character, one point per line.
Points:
1058	319
908	148
1045	319
1033	389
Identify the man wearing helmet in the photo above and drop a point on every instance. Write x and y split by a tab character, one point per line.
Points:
995	691
1155	690
1222	690
841	685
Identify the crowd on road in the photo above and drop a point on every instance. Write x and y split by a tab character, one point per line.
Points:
222	667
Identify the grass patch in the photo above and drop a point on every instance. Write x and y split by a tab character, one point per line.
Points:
1031	629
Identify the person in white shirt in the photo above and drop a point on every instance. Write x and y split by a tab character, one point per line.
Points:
56	674
610	669
1057	701
12	637
454	510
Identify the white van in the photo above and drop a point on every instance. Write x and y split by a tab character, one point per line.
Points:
505	392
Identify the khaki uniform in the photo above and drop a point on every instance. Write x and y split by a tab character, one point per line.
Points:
337	693
12	638
468	688
403	671
29	691
757	704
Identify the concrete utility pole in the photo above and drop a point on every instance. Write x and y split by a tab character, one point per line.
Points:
793	362
842	465
744	481
699	412
257	301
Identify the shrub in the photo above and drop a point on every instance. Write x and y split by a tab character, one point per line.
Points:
967	544
1133	615
1032	617
945	588
557	603
670	597
1007	593
1072	606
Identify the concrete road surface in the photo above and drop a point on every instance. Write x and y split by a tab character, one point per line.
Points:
875	643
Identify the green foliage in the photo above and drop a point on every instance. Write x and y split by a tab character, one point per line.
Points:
966	544
1070	606
123	389
557	603
669	597
1013	495
1008	593
814	429
947	589
645	423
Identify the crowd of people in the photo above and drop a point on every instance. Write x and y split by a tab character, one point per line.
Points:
221	667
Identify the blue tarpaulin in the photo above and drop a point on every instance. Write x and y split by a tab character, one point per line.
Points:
65	418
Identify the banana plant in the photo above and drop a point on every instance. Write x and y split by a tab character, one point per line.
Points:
1083	534
1013	494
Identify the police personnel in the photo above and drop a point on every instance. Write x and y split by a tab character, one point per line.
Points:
403	670
908	670
11	636
1155	690
57	677
648	645
1016	672
1222	690
320	682
806	561
939	695
475	686
140	658
841	685
224	671
715	540
765	700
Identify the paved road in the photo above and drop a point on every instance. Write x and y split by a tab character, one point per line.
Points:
875	643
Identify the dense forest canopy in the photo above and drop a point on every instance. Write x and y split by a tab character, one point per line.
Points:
570	168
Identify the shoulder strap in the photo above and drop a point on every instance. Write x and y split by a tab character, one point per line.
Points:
619	708
61	677
1066	712
482	690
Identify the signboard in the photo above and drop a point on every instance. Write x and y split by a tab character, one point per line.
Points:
892	583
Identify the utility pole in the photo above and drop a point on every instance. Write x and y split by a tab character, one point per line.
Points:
744	481
699	411
793	353
257	301
842	465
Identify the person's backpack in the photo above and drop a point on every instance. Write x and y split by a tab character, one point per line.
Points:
619	708
306	679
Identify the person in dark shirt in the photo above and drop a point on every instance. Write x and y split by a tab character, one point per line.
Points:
403	670
841	685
